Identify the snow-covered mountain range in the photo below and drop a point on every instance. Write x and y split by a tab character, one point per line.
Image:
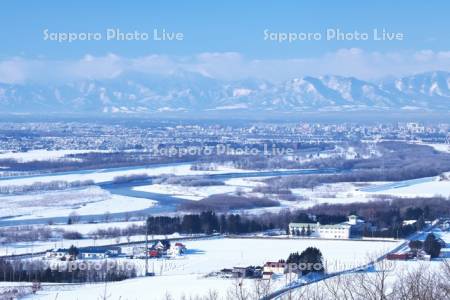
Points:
190	92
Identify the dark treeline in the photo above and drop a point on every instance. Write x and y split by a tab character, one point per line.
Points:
94	160
26	233
18	271
384	210
114	232
131	178
385	215
187	180
207	222
378	174
397	161
226	202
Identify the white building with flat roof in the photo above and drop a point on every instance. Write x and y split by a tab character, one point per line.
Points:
336	231
332	231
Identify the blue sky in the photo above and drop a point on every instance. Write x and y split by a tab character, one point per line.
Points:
226	33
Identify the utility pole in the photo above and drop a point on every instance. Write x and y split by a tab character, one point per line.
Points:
146	248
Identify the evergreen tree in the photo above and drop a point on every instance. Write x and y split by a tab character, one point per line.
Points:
302	218
432	246
223	224
303	232
426	212
413	213
420	224
313	257
308	231
191	224
73	251
294	258
209	222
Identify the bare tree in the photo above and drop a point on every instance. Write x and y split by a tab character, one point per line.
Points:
107	216
238	291
73	218
260	289
421	283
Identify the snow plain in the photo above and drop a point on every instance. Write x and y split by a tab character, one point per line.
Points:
434	187
42	155
87	228
185	275
99	176
200	192
41	246
85	201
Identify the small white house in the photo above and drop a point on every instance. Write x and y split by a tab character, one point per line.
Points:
267	275
274	267
176	249
57	253
94	253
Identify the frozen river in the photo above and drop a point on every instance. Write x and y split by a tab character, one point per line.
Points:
165	203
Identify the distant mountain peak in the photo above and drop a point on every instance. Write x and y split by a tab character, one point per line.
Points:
190	91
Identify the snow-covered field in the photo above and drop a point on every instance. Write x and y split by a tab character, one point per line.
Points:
86	201
341	193
94	200
428	187
248	182
200	192
186	192
42	155
30	247
348	192
333	193
108	175
438	147
33	247
184	275
86	228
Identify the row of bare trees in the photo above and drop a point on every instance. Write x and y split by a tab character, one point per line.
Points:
78	271
387	281
55	185
419	282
